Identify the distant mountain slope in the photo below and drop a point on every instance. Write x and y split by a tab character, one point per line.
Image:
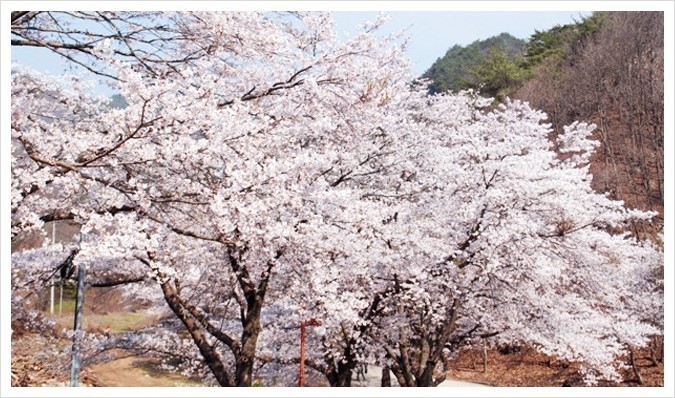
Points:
458	68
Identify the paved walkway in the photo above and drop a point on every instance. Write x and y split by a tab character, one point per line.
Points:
373	378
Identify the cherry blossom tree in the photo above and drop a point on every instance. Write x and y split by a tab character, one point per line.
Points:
278	172
222	171
528	246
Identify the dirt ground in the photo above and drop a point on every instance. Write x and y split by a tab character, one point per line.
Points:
42	359
33	366
135	371
525	367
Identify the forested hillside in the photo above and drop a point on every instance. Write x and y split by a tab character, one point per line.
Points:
492	62
613	78
606	69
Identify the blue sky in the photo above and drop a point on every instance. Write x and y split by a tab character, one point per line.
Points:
431	33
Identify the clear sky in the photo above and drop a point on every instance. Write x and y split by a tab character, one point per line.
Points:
431	33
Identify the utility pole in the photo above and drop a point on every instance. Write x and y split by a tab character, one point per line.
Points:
51	285
77	327
61	297
51	296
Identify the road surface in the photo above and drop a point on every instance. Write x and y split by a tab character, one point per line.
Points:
373	378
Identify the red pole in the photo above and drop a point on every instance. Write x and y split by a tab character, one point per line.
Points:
301	376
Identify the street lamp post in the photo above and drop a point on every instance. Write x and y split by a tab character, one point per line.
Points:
303	334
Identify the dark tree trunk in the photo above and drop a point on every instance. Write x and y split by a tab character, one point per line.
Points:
342	375
210	355
400	377
249	342
426	378
431	349
633	365
386	377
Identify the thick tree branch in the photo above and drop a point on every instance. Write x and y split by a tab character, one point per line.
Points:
209	353
117	282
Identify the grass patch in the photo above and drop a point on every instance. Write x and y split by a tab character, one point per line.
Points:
117	322
114	322
68	303
66	306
